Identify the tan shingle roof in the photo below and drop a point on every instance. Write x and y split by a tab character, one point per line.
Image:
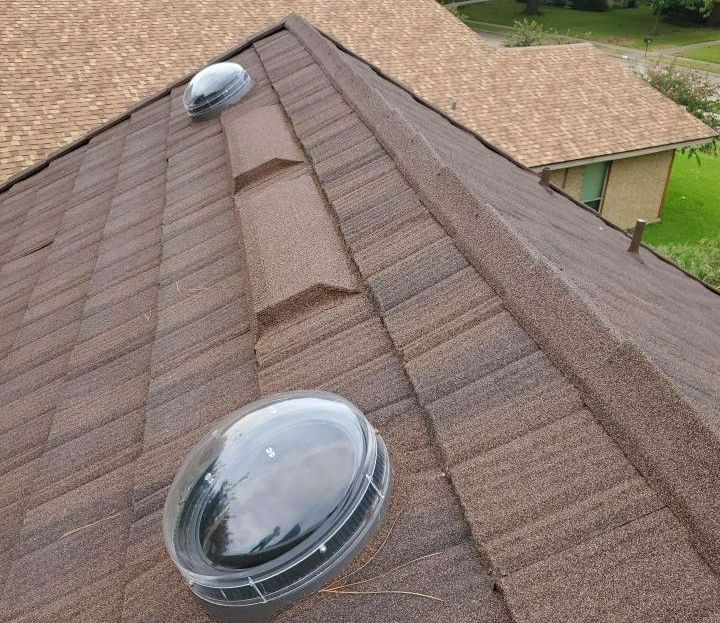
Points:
67	66
568	102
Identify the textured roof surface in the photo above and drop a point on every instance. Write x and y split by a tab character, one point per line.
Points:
567	102
550	467
89	61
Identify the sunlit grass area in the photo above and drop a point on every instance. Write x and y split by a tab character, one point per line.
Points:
708	53
627	27
689	231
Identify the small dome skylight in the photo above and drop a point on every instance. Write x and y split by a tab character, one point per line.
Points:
214	88
273	502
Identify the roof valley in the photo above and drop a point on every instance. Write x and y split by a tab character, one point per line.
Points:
640	503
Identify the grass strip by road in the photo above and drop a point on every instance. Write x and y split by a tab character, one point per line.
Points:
627	27
613	50
707	53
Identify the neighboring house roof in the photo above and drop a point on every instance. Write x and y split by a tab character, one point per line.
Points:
550	401
89	61
562	103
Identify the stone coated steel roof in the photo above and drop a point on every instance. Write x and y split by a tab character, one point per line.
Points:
554	462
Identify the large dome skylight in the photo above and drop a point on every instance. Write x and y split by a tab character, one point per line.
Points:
274	501
214	88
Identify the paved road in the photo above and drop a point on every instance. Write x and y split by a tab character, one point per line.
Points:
492	38
688	46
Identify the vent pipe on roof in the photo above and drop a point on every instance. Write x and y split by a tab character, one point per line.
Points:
214	88
637	236
545	177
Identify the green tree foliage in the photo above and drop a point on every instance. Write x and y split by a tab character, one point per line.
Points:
692	91
526	33
457	13
700	8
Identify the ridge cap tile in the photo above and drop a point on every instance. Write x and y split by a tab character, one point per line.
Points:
293	250
258	142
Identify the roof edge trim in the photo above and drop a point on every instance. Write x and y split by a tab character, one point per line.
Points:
39	166
620	155
655	437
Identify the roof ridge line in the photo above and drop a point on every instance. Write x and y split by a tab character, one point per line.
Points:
611	369
292	17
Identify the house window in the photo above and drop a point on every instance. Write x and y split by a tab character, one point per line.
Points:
593	188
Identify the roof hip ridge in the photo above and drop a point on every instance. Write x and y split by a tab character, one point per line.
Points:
612	373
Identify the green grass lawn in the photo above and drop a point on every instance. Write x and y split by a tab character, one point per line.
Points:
709	53
689	231
626	27
681	61
692	204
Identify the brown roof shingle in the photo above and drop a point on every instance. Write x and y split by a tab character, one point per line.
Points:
475	347
89	62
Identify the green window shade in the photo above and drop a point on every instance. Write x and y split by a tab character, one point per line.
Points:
594	183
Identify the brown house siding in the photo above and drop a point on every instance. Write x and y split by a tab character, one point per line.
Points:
569	179
635	187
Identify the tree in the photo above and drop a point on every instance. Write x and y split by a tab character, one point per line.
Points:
532	7
701	8
525	33
658	6
457	13
713	18
692	91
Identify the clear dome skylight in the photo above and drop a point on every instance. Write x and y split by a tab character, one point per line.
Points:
214	88
272	503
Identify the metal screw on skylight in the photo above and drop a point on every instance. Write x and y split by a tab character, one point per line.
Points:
275	501
215	88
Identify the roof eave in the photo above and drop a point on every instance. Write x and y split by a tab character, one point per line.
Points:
632	153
